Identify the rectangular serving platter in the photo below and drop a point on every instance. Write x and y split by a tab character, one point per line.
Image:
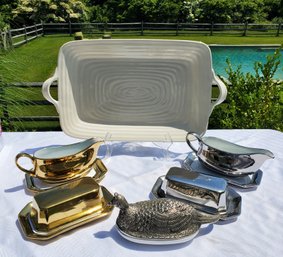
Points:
134	90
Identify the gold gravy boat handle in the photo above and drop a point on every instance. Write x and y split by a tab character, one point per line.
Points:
100	170
20	155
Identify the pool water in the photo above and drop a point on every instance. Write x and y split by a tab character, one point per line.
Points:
245	56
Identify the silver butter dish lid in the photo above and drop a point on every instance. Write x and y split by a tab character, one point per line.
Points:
205	192
195	179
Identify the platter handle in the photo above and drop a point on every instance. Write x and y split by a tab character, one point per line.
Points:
46	90
222	91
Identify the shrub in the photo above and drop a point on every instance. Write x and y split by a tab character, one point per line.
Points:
78	36
253	101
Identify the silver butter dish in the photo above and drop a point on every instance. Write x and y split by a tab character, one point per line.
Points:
226	157
160	221
206	193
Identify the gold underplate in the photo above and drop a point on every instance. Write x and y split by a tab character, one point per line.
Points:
35	185
63	208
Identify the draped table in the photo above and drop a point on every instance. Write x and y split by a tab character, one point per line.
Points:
133	168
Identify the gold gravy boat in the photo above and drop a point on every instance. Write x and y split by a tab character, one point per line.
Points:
60	164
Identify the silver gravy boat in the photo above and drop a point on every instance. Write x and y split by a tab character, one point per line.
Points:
226	157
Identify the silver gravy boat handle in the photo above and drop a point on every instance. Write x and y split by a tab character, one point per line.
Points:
189	141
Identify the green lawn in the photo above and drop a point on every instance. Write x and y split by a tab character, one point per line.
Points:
34	61
37	60
225	40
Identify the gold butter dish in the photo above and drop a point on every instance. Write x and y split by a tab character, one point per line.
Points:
63	208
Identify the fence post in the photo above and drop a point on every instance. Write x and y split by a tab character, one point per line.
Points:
10	38
141	28
6	117
245	29
211	28
70	28
278	30
4	39
177	28
105	28
36	30
42	26
26	36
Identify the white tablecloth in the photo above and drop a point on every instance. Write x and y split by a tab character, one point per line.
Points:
133	169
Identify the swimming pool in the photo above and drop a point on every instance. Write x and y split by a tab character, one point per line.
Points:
242	55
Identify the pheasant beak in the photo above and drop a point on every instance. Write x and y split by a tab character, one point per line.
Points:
112	202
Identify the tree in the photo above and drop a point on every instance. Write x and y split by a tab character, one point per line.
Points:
145	10
274	10
247	10
224	11
5	19
215	11
6	8
171	11
33	11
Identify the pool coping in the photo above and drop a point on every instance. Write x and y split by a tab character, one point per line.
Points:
248	45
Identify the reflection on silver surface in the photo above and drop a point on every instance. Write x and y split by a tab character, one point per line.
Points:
228	158
224	201
156	241
159	221
196	187
249	181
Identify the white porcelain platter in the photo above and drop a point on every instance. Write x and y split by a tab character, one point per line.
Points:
134	90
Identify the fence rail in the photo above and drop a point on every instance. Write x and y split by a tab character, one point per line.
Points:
31	114
19	36
149	28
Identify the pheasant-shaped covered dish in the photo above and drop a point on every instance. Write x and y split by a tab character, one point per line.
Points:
159	221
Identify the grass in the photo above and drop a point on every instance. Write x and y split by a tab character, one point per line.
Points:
225	40
37	60
34	61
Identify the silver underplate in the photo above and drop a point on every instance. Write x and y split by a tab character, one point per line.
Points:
233	201
245	182
156	241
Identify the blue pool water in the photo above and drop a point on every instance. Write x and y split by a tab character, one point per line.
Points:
244	56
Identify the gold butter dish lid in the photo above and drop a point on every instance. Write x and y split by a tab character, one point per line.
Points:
63	208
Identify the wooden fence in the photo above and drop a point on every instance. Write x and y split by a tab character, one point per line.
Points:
17	37
27	110
30	111
149	28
